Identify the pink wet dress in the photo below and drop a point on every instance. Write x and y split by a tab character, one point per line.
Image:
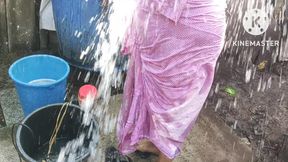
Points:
173	46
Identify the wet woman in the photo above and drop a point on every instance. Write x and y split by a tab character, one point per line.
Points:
173	46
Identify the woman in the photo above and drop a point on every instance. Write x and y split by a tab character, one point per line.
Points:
173	47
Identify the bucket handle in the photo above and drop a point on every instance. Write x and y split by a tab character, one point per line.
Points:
13	136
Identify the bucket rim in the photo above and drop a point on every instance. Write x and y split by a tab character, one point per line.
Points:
19	148
39	55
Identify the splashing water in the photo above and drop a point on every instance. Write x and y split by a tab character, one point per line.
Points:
111	28
119	18
218	105
242	57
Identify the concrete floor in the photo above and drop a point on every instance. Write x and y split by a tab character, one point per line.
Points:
13	114
210	140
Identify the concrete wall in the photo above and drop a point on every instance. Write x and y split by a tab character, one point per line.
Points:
18	25
3	28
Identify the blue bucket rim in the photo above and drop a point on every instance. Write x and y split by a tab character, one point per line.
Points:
39	55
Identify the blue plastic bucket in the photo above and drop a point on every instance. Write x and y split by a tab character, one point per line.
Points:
40	80
75	22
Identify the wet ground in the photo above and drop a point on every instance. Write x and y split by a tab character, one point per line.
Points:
210	141
225	134
259	111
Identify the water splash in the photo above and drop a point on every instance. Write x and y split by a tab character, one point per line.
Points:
111	28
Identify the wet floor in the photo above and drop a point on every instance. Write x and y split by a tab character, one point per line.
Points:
210	140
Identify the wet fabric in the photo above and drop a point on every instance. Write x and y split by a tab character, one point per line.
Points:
173	52
46	16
